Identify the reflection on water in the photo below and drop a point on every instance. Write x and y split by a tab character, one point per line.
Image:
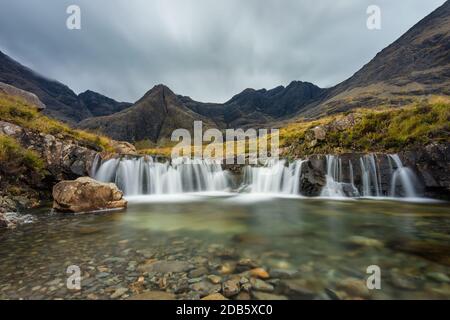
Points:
328	243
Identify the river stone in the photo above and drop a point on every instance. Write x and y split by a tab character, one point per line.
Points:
260	285
230	288
355	287
174	266
267	296
298	288
153	295
215	296
205	288
119	292
243	295
86	195
284	273
438	277
214	279
361	241
198	272
259	273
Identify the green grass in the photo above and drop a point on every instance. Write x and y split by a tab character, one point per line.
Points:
15	159
376	130
15	110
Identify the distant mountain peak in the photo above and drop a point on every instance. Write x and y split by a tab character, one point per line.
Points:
100	105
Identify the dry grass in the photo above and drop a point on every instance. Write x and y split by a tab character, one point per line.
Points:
16	110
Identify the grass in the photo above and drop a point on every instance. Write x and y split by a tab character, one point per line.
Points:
382	129
16	110
15	159
375	130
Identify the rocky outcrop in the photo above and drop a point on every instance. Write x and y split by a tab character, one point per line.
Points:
86	195
124	148
430	164
64	158
312	177
28	97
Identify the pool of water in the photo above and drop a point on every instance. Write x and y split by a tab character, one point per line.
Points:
311	248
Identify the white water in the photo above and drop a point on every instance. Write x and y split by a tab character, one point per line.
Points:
275	176
403	181
138	176
403	178
144	176
370	176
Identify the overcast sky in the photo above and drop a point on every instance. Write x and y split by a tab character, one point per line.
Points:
207	49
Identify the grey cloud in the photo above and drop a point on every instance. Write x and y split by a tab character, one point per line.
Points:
207	49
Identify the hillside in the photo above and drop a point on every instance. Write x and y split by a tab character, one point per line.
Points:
61	102
416	65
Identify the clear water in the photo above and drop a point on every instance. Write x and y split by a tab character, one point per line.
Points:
311	236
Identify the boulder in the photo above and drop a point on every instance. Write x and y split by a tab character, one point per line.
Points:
28	97
312	178
123	147
86	195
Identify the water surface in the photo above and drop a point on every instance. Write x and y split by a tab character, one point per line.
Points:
329	243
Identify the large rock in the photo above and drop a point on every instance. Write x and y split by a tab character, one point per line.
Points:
28	97
312	178
123	147
85	195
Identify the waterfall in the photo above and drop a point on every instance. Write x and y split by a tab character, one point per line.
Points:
137	176
275	176
403	177
403	181
143	175
95	164
370	176
333	186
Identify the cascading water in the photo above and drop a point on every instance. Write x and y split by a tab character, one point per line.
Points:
403	180
370	176
274	177
335	187
137	176
143	175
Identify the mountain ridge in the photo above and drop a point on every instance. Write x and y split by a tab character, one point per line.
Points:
153	117
413	67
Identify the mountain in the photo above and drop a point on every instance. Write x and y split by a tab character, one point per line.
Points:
414	66
61	102
100	105
257	107
154	117
160	111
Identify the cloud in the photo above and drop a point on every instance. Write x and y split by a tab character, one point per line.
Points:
207	49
